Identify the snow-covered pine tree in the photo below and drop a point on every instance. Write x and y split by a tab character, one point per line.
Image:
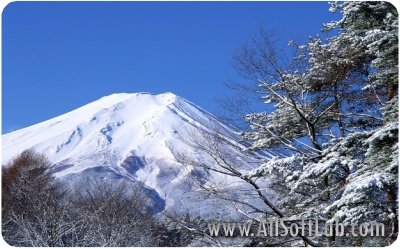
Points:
331	124
353	178
339	72
298	116
371	28
354	181
329	88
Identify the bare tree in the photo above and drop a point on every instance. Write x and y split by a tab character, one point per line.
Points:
250	197
38	211
114	215
32	210
314	94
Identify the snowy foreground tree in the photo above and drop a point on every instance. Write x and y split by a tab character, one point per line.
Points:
327	146
354	181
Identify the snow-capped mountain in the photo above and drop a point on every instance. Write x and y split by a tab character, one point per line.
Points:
124	136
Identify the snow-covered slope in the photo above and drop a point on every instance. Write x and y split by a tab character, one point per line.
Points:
122	136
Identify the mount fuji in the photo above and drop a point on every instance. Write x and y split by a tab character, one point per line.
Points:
126	137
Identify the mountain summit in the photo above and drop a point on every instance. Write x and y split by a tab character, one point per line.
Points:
122	136
116	124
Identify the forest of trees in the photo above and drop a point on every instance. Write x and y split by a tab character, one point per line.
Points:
325	147
40	211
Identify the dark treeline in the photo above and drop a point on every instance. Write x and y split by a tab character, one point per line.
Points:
37	210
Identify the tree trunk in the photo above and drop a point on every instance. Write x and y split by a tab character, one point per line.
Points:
391	92
313	137
338	114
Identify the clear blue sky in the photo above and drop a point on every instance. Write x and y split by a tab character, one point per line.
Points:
58	56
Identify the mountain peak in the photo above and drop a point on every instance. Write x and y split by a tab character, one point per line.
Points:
119	122
162	98
121	94
125	136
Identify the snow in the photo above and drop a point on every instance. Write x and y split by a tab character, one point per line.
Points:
119	122
101	136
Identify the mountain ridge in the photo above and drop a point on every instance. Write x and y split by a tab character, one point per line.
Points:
88	113
125	136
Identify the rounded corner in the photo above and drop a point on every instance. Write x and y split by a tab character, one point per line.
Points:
6	7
